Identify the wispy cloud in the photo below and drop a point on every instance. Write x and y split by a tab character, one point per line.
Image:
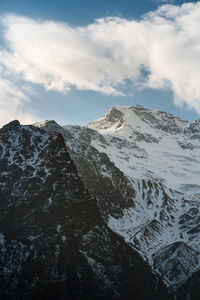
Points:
104	55
12	100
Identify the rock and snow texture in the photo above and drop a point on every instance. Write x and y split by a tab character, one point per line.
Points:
161	217
54	241
125	184
159	155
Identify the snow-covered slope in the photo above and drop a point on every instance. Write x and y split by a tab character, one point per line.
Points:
149	144
161	218
158	157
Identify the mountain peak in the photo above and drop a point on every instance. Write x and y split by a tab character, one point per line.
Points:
49	126
156	144
11	125
139	118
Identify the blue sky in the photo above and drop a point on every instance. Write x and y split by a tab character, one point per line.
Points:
78	11
50	95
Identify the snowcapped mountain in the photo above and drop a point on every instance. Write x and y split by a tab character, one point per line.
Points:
159	155
155	145
112	208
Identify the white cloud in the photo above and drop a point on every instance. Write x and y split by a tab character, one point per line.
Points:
103	55
12	100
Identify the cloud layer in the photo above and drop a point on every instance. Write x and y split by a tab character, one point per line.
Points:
160	51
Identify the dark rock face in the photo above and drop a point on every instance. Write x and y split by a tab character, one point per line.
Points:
104	180
175	260
54	242
190	289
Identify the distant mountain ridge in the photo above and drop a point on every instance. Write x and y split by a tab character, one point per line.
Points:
125	186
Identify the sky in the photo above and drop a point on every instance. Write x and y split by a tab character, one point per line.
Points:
71	61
